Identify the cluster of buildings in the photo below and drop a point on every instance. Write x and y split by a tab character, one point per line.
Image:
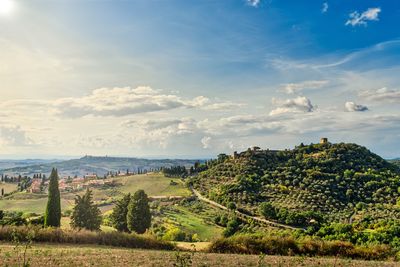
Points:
68	184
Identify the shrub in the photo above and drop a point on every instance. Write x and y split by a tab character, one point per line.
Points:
13	218
174	234
276	245
56	235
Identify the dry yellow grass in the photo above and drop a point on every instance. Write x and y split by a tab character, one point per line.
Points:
64	255
8	187
197	246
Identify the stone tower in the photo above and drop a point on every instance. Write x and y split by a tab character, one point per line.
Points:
323	140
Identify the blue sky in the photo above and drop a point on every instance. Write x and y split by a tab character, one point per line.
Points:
195	78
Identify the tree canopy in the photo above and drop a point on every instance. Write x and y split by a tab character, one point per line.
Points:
139	216
119	214
86	215
52	216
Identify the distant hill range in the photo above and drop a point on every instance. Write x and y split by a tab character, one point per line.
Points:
395	161
91	164
338	180
9	163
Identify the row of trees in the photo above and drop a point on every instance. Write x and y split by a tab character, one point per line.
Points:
131	213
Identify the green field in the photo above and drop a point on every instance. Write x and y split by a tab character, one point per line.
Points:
192	222
79	255
153	184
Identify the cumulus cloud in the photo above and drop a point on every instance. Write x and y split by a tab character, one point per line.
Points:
118	102
325	7
356	19
382	95
172	126
14	136
298	104
292	88
205	141
159	131
353	107
254	3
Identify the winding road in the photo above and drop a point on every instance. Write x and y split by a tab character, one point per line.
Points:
243	215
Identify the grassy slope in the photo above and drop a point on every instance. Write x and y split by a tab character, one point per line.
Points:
75	255
8	187
193	222
153	184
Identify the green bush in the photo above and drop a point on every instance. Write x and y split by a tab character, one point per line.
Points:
174	234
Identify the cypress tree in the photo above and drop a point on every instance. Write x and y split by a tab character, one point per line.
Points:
139	216
52	215
86	214
120	212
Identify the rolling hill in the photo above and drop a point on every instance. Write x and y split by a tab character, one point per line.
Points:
9	163
336	180
99	165
395	161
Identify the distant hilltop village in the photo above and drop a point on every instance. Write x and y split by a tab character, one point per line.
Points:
255	150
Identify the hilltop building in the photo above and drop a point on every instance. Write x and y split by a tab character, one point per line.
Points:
323	141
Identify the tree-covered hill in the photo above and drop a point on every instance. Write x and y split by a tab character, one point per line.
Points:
395	161
333	179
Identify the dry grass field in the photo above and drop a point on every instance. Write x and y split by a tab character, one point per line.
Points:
76	255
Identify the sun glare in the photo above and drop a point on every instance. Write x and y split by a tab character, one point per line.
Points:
6	7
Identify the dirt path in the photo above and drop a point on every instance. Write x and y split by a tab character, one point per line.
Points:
242	215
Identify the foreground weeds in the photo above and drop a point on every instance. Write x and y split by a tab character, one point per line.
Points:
44	255
59	236
288	246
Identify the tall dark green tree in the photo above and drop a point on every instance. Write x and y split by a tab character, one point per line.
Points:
139	216
86	215
119	214
52	215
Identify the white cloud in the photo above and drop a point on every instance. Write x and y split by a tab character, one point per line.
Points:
325	7
159	131
254	3
298	104
292	88
382	95
352	107
371	14
118	102
205	141
12	135
224	106
123	101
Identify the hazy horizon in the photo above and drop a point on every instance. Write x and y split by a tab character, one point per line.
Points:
175	79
